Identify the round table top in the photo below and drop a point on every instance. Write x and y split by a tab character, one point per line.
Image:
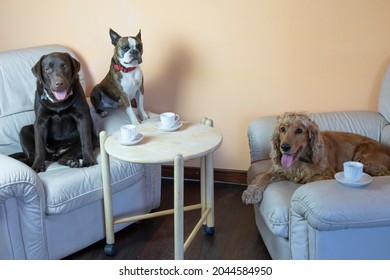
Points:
191	140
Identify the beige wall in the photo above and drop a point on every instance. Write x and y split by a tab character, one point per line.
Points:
228	60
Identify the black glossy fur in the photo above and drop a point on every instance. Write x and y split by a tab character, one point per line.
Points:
63	129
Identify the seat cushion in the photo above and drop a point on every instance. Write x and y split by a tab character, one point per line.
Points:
275	206
70	188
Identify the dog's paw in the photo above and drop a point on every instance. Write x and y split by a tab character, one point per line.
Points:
73	163
103	114
38	167
132	116
253	194
89	162
145	116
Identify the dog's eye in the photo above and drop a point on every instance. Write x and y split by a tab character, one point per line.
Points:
298	131
125	48
66	67
48	70
282	129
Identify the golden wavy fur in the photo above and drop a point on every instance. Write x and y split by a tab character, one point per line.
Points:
302	153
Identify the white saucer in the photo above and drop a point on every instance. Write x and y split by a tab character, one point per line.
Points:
366	179
176	126
136	140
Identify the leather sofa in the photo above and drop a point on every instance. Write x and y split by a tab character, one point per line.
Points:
55	213
325	219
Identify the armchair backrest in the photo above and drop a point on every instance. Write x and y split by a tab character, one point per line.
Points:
384	95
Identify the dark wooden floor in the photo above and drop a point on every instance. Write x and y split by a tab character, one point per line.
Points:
236	235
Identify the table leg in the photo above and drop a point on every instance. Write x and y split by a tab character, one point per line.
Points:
203	186
207	184
209	180
107	197
179	205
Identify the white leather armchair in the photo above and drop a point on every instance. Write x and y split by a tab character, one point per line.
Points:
55	213
325	219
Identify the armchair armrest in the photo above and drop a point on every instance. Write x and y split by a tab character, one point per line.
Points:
323	212
22	207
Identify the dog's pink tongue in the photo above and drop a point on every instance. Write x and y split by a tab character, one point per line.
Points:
287	160
60	95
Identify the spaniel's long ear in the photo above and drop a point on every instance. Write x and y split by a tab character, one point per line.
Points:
315	141
275	144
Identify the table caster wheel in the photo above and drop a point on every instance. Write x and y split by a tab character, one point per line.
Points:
209	230
109	250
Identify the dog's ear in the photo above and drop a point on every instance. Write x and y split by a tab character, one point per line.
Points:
75	67
315	142
139	35
75	64
313	132
37	70
114	37
275	144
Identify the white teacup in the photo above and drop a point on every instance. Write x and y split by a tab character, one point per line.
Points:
353	171
168	119
128	132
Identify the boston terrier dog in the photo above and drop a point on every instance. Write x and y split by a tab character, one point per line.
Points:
124	82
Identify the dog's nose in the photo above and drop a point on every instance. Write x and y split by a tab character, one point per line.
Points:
58	83
285	147
134	53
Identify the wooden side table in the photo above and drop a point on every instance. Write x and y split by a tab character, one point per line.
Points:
188	142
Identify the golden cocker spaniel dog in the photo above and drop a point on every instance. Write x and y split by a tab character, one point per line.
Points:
301	153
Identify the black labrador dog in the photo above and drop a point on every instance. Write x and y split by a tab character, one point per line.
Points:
63	129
